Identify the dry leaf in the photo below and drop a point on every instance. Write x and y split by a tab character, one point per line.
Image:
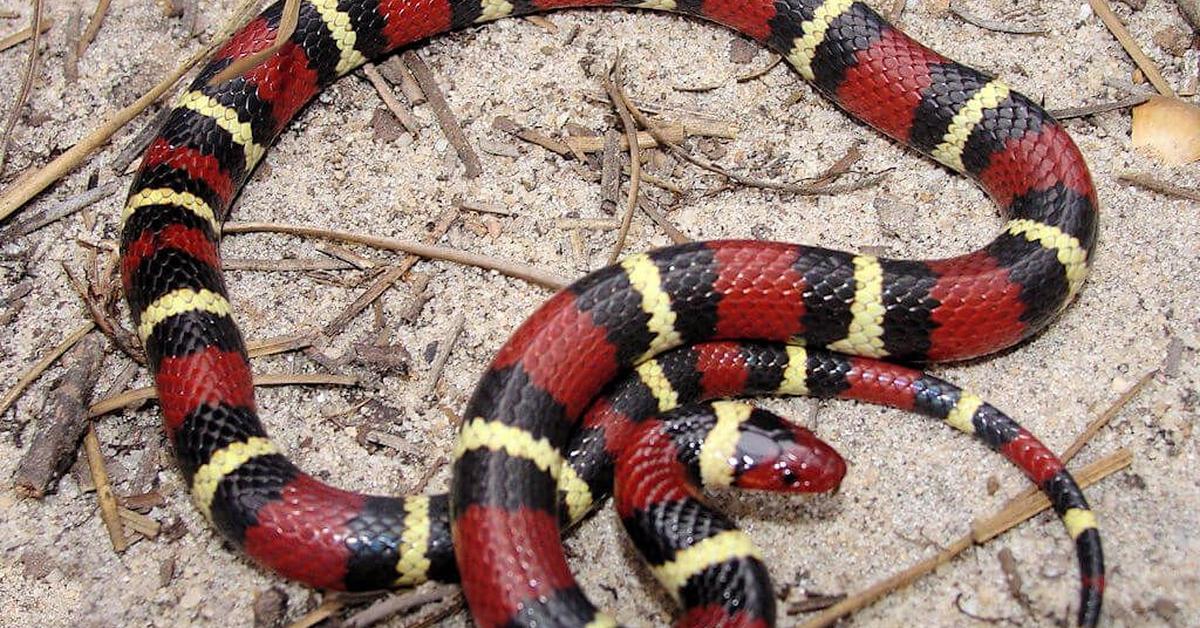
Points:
1170	128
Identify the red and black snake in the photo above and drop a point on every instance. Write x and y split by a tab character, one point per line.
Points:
510	454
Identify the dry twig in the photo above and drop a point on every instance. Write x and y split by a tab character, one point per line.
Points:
512	269
439	362
1086	476
1026	505
389	277
1117	28
138	144
289	18
344	254
665	184
1011	28
23	35
104	493
139	395
483	208
1095	425
284	265
327	609
803	190
753	74
398	603
139	523
506	125
93	27
673	132
280	344
71	58
591	224
403	114
29	186
445	116
676	236
610	172
26	88
38	368
100	302
63	420
1018	509
619	101
61	210
1160	186
1088	110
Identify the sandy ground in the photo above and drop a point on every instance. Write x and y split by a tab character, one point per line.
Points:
912	486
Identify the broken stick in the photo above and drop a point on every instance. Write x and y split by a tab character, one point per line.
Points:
64	419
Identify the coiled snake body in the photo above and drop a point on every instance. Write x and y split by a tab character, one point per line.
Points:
501	514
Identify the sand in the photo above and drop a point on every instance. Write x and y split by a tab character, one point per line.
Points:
912	486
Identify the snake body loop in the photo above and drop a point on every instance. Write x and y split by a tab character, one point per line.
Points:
502	512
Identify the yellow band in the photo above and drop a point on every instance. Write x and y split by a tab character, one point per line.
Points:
950	151
516	442
177	302
227	119
714	550
412	566
1078	521
865	334
644	277
221	464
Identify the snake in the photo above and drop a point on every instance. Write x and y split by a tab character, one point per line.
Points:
502	517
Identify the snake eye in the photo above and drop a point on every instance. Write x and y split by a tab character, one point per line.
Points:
789	477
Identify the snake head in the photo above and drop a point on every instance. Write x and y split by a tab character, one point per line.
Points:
775	455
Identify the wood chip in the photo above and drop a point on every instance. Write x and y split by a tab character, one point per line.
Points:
61	423
1012	578
270	607
136	521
